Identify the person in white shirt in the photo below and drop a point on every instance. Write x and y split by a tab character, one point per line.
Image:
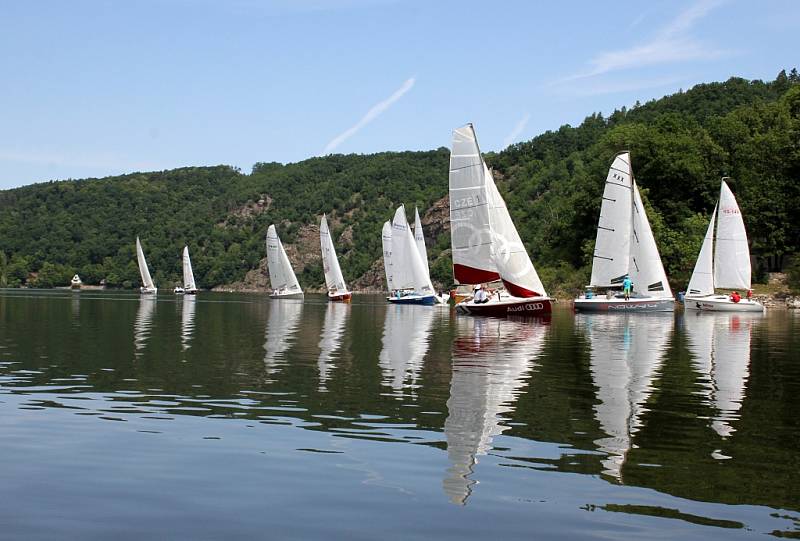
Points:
480	296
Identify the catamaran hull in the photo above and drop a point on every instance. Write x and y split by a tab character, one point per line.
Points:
646	304
345	297
721	303
427	300
286	295
513	307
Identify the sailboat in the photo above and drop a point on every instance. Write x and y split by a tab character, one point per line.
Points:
189	286
625	247
76	282
730	267
334	281
147	281
281	276
486	244
410	281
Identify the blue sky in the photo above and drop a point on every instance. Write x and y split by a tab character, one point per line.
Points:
103	87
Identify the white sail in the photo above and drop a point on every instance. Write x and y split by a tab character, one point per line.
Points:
386	237
406	337
508	252
330	263
646	269
188	274
419	238
470	230
732	256
612	245
281	274
331	339
408	271
702	280
147	280
626	354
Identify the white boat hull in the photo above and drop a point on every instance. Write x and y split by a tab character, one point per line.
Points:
296	295
619	304
721	303
148	290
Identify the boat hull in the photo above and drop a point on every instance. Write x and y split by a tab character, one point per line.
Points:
148	291
508	307
286	295
427	300
343	297
721	303
642	304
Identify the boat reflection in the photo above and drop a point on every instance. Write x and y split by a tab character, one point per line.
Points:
406	330
142	325
336	314
284	317
626	354
491	359
720	345
187	321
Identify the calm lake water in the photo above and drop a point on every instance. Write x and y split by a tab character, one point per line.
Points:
236	417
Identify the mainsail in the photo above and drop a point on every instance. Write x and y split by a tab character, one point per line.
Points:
419	238
612	245
732	256
188	275
330	263
408	271
281	275
147	280
470	231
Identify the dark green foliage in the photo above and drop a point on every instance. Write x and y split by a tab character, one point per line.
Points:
681	146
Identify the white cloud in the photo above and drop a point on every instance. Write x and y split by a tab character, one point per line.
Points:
669	45
512	137
376	110
104	162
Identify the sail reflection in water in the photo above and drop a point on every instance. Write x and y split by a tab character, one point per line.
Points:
142	326
284	317
187	321
406	330
491	358
331	339
720	345
626	354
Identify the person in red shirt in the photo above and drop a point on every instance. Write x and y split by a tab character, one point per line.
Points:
749	294
735	297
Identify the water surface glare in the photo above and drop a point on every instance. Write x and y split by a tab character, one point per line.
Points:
233	416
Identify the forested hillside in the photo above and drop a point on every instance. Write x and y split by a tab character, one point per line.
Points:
681	146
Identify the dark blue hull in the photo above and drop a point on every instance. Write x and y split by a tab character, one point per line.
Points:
427	300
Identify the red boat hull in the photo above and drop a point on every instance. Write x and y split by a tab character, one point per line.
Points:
340	298
508	308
